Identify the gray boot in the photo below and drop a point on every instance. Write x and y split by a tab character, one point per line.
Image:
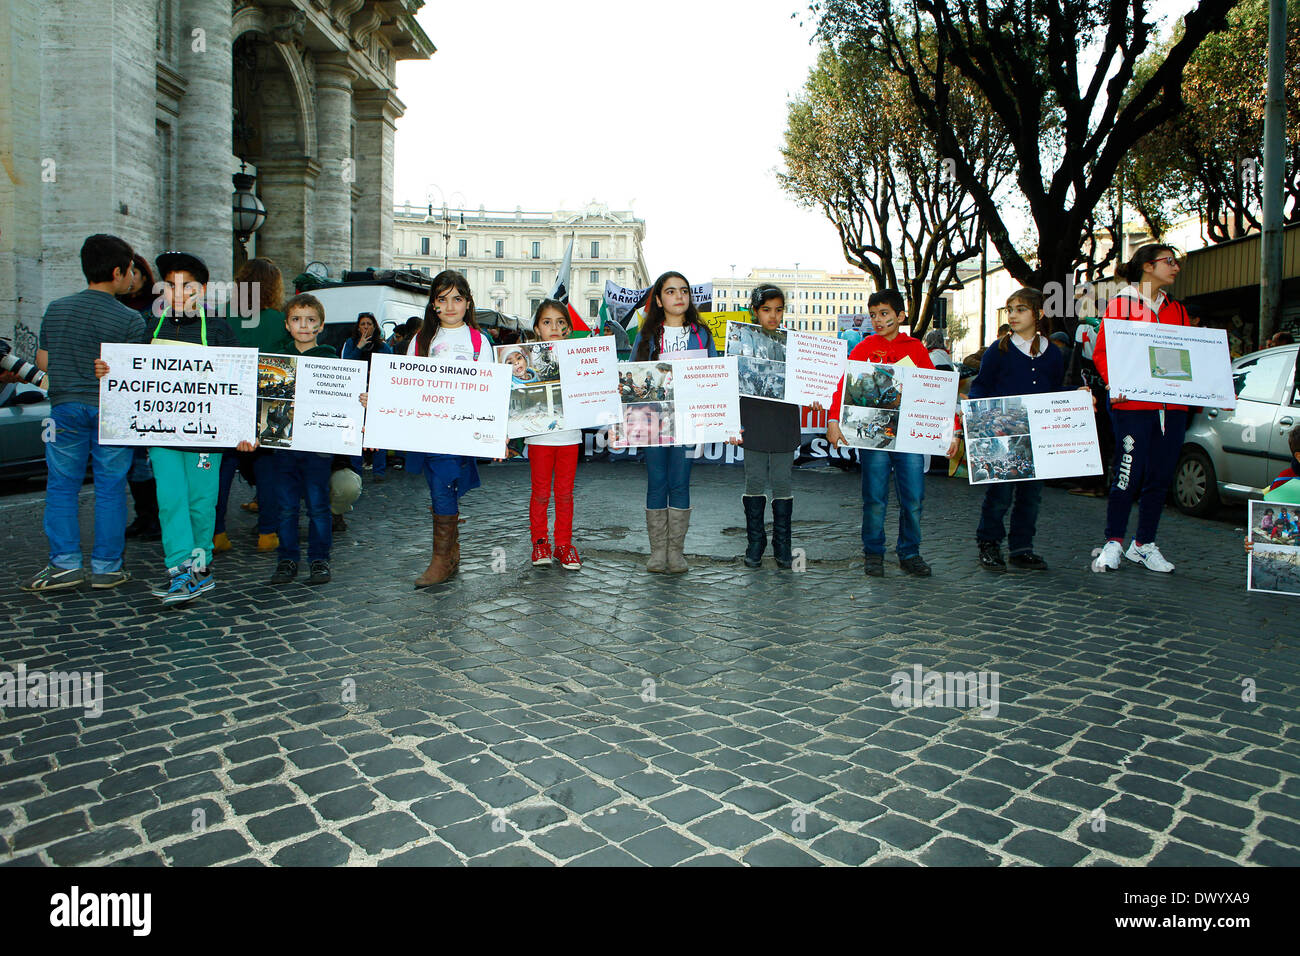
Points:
656	525
679	519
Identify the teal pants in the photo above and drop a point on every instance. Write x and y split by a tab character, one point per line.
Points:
188	483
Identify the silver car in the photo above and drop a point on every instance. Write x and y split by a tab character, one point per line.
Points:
24	409
1232	455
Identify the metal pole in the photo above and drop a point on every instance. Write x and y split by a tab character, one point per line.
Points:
1270	265
984	285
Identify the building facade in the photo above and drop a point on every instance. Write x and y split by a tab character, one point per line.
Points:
130	117
814	297
511	259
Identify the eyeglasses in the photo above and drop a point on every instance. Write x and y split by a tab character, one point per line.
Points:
1172	260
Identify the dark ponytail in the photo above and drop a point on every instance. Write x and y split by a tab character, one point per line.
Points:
1131	271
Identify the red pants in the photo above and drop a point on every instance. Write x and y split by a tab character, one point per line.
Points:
545	462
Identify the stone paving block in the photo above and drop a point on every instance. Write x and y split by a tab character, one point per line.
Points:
950	851
207	850
324	849
779	853
1045	849
662	847
384	831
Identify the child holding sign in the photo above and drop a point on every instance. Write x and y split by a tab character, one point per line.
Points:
1148	435
769	433
1022	363
890	346
552	458
188	481
304	475
449	332
672	325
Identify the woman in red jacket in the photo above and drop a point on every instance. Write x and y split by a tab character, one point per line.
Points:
1148	435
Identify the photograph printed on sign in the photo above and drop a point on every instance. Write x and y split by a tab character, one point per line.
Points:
531	363
1000	459
869	427
996	418
878	387
536	406
1274	561
1167	363
762	357
646	392
276	383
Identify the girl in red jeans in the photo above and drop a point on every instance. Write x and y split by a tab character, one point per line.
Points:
553	457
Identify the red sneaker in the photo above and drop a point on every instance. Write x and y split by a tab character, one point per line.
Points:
567	557
541	553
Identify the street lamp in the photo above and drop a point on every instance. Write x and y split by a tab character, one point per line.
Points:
247	211
446	225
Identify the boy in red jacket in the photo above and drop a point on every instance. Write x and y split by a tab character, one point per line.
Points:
1148	435
887	345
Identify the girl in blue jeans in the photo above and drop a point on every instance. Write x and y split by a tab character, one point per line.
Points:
672	325
1023	362
449	332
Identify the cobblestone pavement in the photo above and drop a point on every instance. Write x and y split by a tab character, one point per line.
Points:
528	716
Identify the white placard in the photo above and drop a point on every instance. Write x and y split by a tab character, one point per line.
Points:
536	402
1274	562
1178	364
436	405
814	364
307	403
184	396
798	368
589	381
707	399
1030	437
898	408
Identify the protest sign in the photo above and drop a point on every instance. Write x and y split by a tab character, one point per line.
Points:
622	301
784	366
178	396
898	408
1274	561
645	390
1030	437
589	381
1178	364
310	404
707	400
536	403
437	405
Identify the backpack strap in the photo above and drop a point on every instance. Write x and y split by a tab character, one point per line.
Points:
476	337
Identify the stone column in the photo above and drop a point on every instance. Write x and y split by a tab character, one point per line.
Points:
203	135
287	189
97	96
377	113
333	214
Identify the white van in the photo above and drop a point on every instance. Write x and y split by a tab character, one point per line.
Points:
392	297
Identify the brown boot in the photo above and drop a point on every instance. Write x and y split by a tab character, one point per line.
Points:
445	553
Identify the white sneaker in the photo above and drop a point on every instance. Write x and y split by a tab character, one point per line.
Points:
1107	557
1148	555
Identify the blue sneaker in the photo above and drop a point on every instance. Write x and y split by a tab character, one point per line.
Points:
203	581
164	588
184	587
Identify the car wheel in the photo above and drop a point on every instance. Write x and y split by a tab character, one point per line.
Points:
1196	489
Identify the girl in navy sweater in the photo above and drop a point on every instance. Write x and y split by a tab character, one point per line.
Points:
1023	362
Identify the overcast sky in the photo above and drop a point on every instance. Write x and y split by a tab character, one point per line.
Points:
675	109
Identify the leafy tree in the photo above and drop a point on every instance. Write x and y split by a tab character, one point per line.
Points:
1211	154
856	149
1060	82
